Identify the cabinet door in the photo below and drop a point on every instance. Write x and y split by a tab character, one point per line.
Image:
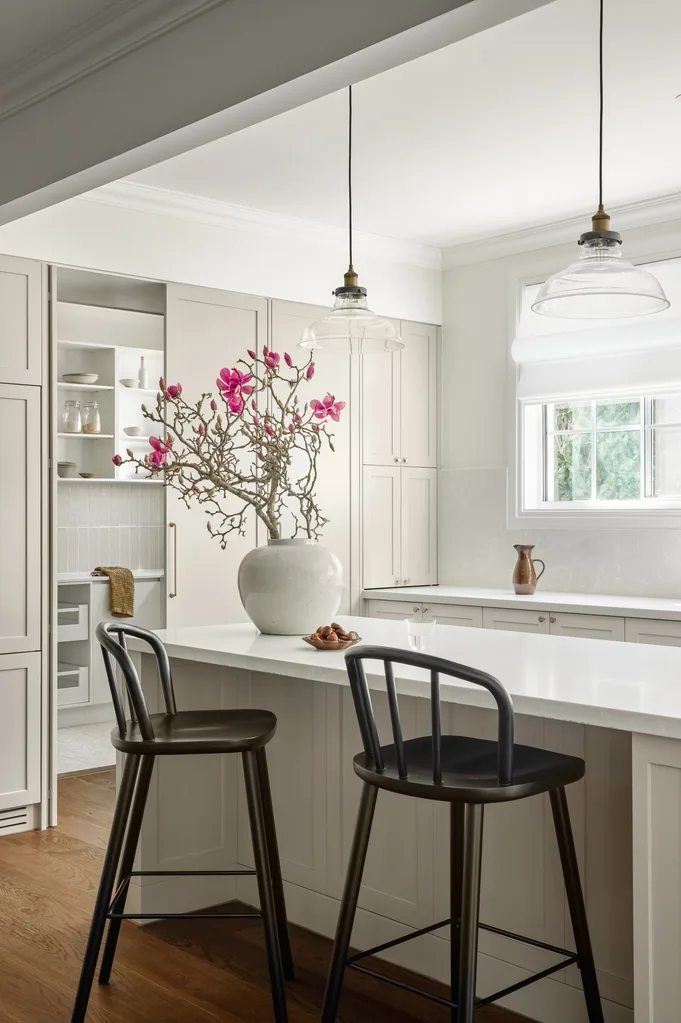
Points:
419	526
396	610
20	726
586	626
381	409
381	526
515	620
21	320
20	539
454	614
206	330
333	374
418	395
645	630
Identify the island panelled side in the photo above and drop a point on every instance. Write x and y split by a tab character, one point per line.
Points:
198	820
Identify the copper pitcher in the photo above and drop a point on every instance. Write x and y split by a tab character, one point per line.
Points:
525	577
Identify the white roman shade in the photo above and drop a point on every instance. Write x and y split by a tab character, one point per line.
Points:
574	358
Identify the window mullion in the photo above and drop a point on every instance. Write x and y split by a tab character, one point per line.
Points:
593	450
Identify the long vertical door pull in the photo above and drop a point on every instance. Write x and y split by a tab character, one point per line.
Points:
173	526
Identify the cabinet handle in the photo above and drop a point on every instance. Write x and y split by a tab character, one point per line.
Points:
416	610
396	459
173	525
552	620
426	610
405	460
542	618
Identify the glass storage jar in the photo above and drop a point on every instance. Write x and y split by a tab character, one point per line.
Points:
91	418
70	419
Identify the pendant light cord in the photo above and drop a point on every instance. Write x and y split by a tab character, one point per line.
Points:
350	170
600	116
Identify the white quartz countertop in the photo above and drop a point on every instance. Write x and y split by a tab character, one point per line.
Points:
629	686
139	574
542	600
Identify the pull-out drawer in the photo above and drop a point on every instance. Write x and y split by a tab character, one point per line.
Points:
72	622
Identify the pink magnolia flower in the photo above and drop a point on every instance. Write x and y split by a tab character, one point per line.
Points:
268	429
213	405
158	456
298	418
196	489
162	383
329	408
235	388
261	456
272	360
254	405
310	371
117	460
173	391
265	351
291	428
201	429
287	359
251	353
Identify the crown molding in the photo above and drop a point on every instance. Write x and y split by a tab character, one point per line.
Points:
148	199
645	213
122	26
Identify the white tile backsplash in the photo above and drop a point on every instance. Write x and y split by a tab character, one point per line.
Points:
110	524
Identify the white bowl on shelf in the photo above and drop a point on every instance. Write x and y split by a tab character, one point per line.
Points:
67	470
133	431
128	382
80	378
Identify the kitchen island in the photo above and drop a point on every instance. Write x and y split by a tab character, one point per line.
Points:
616	705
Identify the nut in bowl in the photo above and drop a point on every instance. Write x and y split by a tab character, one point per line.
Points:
332	637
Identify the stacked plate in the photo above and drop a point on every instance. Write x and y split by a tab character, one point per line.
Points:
80	378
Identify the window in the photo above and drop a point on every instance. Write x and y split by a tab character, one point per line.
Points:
609	453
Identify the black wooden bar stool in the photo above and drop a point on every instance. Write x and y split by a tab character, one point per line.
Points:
144	737
466	773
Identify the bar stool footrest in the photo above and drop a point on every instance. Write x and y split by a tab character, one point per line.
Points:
124	884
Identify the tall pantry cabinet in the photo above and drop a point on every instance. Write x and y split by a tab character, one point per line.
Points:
23	534
399	455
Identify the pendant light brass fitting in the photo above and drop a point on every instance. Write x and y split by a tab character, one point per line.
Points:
350	286
600	229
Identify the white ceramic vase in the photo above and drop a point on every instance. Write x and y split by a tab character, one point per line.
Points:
291	586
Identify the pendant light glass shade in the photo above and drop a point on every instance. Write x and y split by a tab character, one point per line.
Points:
600	285
351	327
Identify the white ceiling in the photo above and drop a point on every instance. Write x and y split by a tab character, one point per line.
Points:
495	133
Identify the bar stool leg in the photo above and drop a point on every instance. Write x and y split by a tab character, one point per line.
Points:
348	908
470	910
456	851
275	865
262	869
127	862
106	883
575	896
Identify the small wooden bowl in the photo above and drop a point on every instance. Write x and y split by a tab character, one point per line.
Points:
340	645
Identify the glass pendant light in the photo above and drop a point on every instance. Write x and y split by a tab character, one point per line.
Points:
351	326
600	284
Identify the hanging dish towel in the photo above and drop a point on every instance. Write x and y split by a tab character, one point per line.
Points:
121	590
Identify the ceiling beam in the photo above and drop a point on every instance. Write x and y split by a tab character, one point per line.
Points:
235	63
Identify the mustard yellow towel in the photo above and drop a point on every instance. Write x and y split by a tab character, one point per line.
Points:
121	590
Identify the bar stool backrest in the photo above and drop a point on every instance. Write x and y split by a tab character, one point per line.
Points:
437	666
115	649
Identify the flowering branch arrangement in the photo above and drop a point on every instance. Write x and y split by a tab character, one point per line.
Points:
253	447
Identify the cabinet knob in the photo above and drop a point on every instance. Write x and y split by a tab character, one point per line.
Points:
426	610
542	618
416	610
552	620
405	460
396	459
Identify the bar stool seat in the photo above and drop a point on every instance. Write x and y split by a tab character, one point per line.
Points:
470	770
199	731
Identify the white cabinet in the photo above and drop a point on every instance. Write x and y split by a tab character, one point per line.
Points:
20	518
20	686
205	330
454	614
399	535
418	395
644	630
515	620
397	610
21	320
399	401
586	626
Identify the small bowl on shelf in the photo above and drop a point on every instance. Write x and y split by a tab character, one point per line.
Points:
80	378
87	475
133	431
67	470
128	382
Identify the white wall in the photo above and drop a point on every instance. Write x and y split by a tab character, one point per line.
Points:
269	261
478	398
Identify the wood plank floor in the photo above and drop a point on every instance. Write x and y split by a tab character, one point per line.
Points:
180	971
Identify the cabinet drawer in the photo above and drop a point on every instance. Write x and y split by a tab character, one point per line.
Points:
645	630
586	626
515	620
72	622
454	614
395	609
72	684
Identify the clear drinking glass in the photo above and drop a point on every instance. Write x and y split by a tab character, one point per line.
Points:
419	633
70	420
